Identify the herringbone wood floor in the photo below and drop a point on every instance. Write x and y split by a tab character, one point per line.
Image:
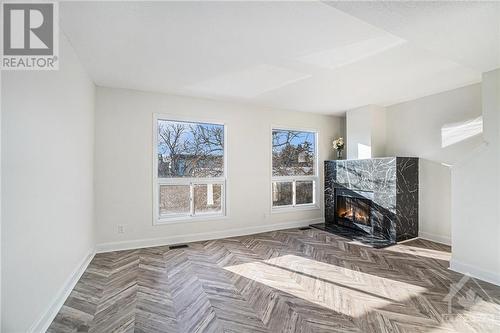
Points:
282	281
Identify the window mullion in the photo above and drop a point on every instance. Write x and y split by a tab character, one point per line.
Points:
191	199
314	191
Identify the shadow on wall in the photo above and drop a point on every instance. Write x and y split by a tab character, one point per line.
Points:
457	140
435	200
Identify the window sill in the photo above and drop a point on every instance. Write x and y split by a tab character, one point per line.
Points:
290	209
189	219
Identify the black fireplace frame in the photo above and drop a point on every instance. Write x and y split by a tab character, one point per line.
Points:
366	196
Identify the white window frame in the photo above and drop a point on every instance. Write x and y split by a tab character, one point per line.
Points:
188	181
294	179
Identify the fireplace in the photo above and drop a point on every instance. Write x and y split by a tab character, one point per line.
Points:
353	209
372	201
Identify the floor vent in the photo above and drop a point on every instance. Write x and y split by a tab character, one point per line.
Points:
178	246
305	228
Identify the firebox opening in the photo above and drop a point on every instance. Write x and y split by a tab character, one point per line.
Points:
353	210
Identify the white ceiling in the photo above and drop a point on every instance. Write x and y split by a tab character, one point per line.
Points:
466	32
306	56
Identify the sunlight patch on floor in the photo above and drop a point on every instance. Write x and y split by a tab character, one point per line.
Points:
421	252
482	316
339	289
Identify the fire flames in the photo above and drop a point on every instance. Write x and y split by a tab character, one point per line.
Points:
354	215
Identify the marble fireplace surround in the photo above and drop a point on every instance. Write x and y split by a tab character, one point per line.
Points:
394	184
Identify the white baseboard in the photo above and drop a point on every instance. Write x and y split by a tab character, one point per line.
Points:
46	319
141	243
408	240
446	240
475	272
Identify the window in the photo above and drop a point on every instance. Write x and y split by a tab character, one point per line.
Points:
294	169
189	170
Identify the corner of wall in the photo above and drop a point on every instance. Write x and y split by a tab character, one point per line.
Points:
43	323
476	218
366	132
59	120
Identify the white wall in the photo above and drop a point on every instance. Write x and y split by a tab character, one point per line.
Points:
47	185
358	131
366	132
476	196
124	166
415	129
0	204
379	131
